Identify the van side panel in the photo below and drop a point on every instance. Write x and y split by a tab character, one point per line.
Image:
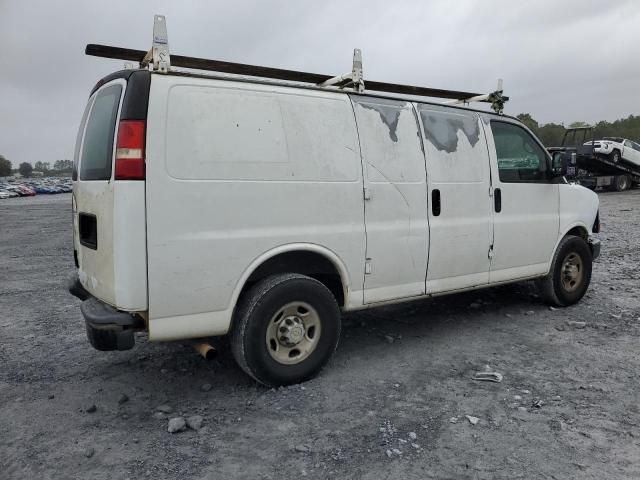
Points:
235	171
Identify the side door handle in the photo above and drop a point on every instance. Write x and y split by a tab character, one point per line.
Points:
435	202
497	199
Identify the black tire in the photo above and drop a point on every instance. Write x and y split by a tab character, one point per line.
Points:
621	183
615	156
253	316
552	287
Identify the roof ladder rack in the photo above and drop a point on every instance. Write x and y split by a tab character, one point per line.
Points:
355	78
158	58
496	99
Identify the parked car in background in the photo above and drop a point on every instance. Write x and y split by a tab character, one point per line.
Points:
617	148
7	192
26	191
14	187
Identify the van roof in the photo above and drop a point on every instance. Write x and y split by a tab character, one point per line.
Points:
125	74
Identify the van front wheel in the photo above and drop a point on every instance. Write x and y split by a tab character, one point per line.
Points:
570	273
285	329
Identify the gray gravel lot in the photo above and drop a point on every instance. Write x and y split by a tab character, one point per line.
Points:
393	403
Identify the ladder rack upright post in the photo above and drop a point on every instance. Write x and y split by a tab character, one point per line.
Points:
158	58
496	99
355	78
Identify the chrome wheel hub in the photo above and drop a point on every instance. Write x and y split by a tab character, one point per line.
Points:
291	331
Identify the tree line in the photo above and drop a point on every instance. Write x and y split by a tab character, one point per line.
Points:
59	166
26	169
550	134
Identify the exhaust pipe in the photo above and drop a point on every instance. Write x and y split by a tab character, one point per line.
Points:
205	350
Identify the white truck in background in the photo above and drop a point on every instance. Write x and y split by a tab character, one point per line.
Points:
208	205
612	162
618	149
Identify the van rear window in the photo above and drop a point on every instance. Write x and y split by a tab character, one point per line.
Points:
97	147
76	152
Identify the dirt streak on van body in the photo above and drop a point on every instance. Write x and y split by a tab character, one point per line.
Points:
387	109
442	130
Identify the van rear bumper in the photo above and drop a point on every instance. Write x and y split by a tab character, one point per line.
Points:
107	328
76	289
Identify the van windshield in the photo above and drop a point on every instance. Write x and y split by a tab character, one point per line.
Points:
97	147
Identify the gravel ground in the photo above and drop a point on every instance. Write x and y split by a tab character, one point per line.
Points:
393	403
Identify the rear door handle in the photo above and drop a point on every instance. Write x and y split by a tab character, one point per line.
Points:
435	202
497	199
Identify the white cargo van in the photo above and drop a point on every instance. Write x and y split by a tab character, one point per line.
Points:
208	205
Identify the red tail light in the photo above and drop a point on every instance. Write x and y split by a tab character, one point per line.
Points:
130	150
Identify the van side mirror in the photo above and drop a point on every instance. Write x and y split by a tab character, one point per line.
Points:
563	164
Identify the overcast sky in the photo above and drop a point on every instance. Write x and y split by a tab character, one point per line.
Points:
561	60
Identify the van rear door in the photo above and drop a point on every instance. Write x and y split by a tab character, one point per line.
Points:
109	213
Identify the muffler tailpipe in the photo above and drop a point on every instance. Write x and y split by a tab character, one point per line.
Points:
205	350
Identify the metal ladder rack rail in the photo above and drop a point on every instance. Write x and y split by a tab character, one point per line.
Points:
496	98
159	59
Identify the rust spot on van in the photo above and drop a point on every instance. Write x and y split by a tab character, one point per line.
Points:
441	128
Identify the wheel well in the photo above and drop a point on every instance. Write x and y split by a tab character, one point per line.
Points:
579	232
311	264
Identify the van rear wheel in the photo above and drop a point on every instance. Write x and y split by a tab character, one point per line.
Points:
570	273
285	329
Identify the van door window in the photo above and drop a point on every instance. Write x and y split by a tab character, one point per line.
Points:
97	149
521	159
